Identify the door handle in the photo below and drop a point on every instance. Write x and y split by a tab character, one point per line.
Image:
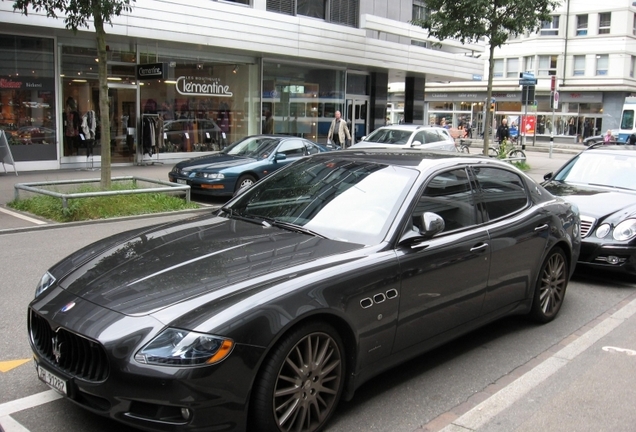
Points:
542	227
482	247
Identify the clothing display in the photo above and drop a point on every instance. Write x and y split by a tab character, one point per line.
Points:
151	134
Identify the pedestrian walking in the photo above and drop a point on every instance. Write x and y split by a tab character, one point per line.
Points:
338	131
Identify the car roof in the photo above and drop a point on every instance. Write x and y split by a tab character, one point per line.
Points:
420	159
614	148
411	127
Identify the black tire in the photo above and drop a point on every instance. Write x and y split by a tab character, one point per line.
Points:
517	154
245	180
293	394
552	282
464	149
493	152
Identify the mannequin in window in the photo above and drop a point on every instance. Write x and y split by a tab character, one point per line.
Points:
72	123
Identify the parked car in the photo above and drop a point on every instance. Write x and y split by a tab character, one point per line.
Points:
241	164
262	314
600	138
408	135
601	182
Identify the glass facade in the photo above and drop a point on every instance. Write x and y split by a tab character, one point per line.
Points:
27	97
301	100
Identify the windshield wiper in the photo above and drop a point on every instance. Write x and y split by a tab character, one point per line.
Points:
289	226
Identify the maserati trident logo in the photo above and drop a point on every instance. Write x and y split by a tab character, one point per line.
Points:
57	349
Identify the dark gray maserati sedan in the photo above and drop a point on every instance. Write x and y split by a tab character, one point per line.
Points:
262	315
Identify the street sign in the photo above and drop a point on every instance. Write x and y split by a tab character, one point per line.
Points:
528	82
526	76
527	79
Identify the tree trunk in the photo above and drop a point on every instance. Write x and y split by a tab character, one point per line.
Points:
104	105
489	116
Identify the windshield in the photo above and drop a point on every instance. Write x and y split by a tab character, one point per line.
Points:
627	121
389	136
258	148
353	201
613	170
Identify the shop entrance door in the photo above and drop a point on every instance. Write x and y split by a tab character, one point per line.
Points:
123	122
358	117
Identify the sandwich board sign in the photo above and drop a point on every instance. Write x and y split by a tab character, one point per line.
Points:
5	152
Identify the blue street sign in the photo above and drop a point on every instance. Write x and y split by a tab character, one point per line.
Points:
526	76
528	82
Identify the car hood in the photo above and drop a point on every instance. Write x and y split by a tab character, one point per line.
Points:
595	202
157	268
214	162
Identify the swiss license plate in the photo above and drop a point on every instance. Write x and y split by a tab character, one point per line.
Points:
181	181
55	382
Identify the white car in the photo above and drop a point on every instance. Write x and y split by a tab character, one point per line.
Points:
407	136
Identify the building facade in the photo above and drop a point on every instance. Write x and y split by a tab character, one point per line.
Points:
188	77
590	50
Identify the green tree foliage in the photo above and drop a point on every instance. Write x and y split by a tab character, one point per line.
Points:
78	14
495	20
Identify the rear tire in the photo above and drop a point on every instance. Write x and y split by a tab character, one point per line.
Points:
300	383
552	282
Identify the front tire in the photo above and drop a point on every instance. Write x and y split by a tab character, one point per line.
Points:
551	285
245	180
301	382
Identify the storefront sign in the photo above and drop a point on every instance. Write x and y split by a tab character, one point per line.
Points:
151	71
528	126
199	86
471	96
581	97
26	84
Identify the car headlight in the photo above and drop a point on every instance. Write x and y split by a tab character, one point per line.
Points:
211	175
177	347
625	230
44	284
603	230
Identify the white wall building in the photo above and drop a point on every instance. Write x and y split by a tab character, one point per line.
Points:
589	46
185	74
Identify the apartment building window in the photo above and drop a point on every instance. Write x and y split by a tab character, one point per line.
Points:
547	65
602	62
512	70
632	66
343	12
420	11
245	2
581	25
604	22
498	68
550	28
579	65
634	25
528	64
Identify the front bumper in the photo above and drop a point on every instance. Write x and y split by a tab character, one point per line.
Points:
149	397
608	257
224	187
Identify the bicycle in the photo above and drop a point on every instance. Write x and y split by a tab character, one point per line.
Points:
463	147
507	150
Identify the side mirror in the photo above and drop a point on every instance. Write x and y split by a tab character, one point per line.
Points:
547	176
280	156
363	138
416	143
432	224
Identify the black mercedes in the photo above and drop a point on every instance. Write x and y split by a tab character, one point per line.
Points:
263	314
601	181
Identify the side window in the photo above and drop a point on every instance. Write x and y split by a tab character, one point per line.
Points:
431	136
503	192
292	148
419	137
450	196
311	147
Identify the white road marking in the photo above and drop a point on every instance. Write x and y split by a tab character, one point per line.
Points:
506	397
629	352
21	216
9	425
8	408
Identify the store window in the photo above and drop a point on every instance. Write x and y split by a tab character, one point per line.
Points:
579	65
81	125
301	100
27	97
195	105
604	22
581	25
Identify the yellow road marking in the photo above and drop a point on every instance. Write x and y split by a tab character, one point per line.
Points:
6	366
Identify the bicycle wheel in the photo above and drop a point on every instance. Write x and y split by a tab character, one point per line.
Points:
464	149
517	154
493	152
